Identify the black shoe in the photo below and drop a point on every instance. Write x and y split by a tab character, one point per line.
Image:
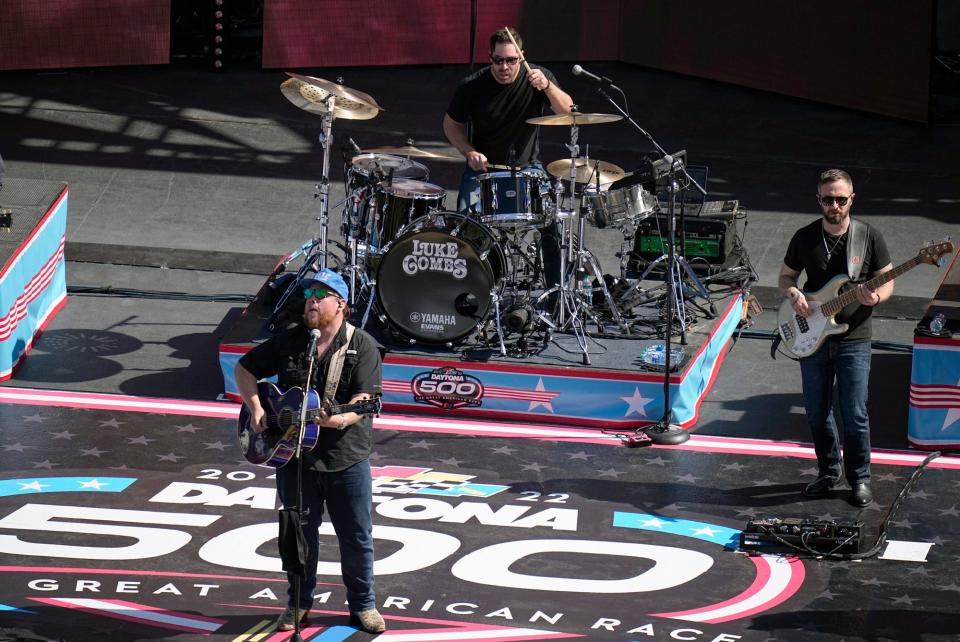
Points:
860	494
820	487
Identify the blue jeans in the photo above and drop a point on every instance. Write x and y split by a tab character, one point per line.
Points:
847	363
468	204
348	495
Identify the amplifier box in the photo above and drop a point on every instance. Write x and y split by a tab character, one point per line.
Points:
706	238
823	536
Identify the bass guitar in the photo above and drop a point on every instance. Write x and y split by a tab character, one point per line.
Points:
277	445
804	334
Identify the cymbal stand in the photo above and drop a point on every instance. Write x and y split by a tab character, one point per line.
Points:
316	255
611	304
571	256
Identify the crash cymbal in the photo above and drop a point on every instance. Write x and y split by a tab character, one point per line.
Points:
413	152
575	119
586	171
310	94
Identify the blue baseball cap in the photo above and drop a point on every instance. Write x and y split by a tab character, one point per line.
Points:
330	280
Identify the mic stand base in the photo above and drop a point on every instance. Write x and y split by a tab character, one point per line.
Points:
664	433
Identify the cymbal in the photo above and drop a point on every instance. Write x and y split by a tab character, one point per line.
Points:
575	119
586	173
413	152
310	94
369	164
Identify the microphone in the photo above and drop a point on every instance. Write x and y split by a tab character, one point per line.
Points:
603	81
354	145
314	338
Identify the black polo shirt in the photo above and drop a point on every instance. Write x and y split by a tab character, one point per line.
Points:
285	355
499	113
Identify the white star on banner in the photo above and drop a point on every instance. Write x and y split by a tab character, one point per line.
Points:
953	414
636	404
93	483
652	523
706	530
546	404
34	485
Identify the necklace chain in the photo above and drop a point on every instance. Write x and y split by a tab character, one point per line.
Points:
830	250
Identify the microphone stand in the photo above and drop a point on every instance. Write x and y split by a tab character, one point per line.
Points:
296	457
663	432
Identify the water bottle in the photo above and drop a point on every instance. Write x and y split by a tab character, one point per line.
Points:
588	287
937	323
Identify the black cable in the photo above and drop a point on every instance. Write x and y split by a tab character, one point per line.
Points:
156	294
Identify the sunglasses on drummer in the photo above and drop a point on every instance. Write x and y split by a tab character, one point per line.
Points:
316	293
512	60
829	200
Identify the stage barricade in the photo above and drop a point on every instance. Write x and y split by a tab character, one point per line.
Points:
33	278
934	417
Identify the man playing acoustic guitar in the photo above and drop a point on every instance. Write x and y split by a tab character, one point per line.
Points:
336	473
824	249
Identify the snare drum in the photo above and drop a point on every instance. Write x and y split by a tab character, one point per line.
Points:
619	206
402	201
510	199
436	281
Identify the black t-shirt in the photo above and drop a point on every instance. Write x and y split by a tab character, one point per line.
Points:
499	113
285	355
807	252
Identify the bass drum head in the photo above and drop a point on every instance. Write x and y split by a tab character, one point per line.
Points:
434	282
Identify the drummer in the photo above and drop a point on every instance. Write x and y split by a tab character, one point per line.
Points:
497	101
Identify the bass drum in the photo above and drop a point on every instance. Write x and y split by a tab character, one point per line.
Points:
436	280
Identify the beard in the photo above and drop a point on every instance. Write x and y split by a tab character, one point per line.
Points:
835	218
316	320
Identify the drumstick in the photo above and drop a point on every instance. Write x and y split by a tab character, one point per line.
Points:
522	59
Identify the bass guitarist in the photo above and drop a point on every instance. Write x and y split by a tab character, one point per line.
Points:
336	473
830	246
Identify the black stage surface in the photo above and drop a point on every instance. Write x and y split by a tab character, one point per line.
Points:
185	189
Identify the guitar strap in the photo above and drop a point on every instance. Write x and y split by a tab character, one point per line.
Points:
336	367
856	248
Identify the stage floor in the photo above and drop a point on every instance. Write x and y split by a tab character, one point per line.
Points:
184	188
484	531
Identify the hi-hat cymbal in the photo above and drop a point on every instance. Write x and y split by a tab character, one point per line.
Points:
587	171
575	119
412	152
370	164
310	94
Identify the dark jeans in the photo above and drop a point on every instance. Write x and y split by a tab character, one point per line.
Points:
847	363
348	495
468	203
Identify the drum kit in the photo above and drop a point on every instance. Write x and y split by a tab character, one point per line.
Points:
473	280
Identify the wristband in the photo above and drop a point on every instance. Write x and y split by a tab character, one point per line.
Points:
343	422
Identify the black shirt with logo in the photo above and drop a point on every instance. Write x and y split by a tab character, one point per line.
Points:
285	355
807	252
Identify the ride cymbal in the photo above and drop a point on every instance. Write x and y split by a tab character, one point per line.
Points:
587	171
412	152
310	94
575	119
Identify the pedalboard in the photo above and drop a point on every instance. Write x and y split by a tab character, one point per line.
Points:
776	535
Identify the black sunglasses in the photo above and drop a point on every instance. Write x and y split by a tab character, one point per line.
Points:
830	200
497	60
